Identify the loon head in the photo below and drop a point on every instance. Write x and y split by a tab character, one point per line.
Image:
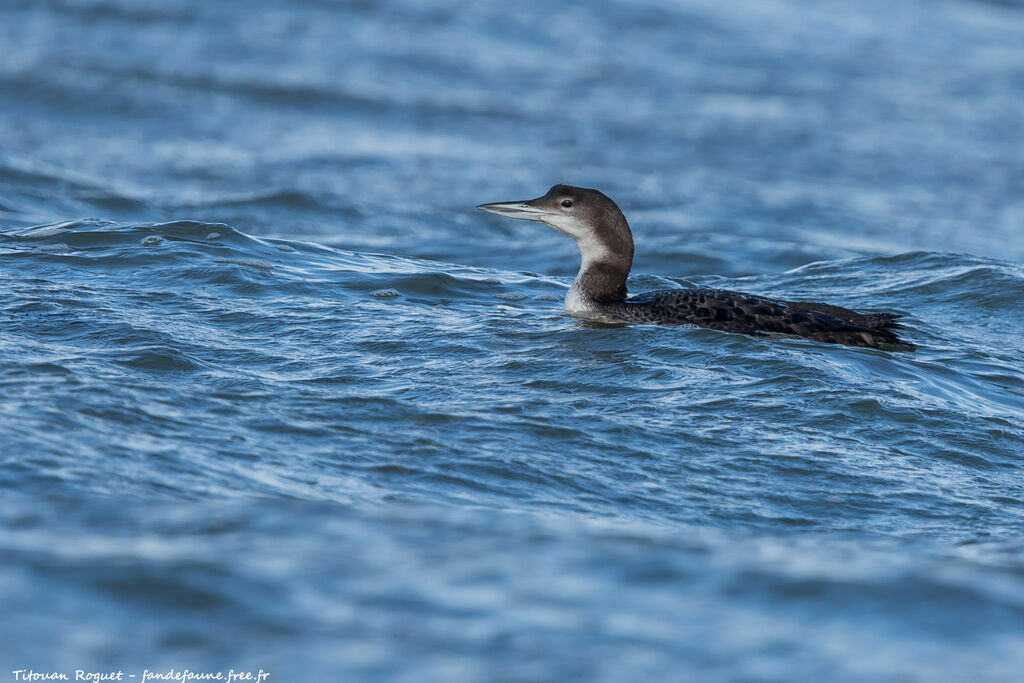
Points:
588	216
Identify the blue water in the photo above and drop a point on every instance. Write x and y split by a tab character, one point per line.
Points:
274	395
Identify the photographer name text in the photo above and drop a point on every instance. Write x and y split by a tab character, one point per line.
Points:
182	676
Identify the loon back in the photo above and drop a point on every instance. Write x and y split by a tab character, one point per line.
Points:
605	242
720	309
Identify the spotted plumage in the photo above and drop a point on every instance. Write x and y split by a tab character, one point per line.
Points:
599	291
720	309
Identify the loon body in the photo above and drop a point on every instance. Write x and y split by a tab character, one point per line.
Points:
606	249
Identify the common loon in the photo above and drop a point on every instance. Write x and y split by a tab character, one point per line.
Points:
606	249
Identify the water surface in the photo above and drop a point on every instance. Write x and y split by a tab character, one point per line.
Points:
273	395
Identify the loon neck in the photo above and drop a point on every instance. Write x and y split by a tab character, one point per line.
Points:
606	256
603	282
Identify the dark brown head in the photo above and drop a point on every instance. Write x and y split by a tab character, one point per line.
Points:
586	215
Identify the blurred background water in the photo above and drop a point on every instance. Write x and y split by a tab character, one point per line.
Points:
273	395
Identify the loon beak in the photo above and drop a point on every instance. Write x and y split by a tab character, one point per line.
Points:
523	210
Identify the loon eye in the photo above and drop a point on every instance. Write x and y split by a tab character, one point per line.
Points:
567	203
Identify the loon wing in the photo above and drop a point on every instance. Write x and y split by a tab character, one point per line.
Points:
871	321
728	311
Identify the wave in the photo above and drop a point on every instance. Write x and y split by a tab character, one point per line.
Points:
193	253
928	286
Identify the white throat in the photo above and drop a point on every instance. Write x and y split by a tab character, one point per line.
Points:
577	301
